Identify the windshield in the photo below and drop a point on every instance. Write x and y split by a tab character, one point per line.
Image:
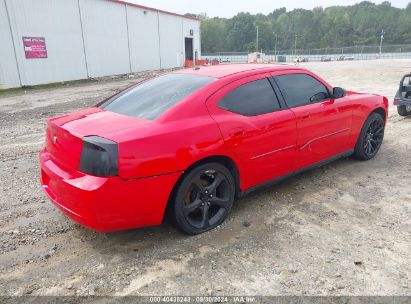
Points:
151	98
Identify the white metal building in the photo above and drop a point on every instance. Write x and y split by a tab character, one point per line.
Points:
45	41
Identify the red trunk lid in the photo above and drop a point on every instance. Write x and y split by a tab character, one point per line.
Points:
65	133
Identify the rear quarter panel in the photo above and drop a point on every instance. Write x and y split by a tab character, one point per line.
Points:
171	146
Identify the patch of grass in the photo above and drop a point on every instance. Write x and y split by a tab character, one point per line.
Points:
137	75
21	90
11	91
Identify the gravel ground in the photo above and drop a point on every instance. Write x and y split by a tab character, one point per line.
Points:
343	229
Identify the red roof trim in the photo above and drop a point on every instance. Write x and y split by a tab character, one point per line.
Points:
153	9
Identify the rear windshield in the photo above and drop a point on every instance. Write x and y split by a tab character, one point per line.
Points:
151	98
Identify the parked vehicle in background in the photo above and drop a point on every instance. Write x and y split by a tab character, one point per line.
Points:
325	58
300	59
342	58
403	97
221	59
191	141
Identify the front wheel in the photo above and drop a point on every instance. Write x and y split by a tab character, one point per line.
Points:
370	139
204	198
404	110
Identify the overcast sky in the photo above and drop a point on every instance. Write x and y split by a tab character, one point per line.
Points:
229	8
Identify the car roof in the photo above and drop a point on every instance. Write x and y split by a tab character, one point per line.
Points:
223	70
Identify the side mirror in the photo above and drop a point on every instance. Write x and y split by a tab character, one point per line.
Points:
338	92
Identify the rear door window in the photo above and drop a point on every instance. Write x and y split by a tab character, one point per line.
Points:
153	97
251	99
406	87
301	89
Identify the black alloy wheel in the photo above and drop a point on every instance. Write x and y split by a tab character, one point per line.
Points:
204	198
374	137
371	137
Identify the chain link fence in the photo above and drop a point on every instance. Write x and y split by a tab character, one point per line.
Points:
366	52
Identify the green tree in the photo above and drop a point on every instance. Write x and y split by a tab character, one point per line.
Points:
335	26
213	33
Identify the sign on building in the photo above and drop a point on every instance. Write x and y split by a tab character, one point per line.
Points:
35	47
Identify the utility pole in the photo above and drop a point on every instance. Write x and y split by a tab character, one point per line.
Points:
275	47
382	38
256	42
295	46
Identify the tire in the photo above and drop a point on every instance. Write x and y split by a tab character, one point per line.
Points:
370	138
203	198
403	111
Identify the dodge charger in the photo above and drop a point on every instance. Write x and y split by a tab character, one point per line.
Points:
186	144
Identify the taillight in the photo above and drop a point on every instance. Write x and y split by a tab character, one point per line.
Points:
396	101
99	156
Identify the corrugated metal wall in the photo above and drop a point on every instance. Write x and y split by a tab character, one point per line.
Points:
88	38
57	21
105	37
144	39
9	75
171	48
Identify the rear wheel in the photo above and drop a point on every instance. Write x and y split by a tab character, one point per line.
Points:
204	198
371	136
404	110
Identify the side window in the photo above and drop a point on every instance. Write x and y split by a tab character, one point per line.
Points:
301	89
250	99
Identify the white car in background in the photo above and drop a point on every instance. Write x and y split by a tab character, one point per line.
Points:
343	58
225	60
300	59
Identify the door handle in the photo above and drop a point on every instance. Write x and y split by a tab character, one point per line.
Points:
327	103
305	115
237	132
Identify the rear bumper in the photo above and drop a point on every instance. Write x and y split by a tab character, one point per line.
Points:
402	102
106	203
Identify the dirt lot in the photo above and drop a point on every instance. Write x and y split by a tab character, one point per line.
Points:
343	229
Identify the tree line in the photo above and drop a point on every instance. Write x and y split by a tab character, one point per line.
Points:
335	26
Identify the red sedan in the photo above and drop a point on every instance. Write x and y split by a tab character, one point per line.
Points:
191	141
